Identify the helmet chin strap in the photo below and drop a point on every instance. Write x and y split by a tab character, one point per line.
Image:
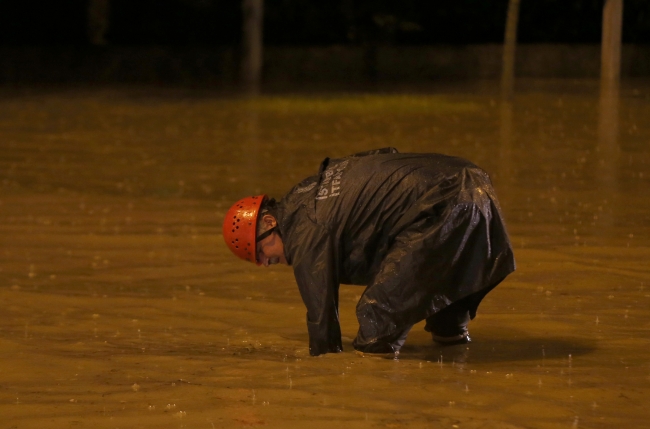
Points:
265	234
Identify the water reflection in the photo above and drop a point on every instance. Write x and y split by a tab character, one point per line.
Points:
506	131
251	148
608	149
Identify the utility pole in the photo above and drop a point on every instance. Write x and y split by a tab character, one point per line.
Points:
509	46
252	46
98	20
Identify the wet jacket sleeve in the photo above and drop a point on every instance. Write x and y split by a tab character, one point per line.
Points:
316	275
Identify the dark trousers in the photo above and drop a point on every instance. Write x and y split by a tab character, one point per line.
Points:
453	319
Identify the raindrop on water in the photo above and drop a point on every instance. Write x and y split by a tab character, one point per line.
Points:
575	423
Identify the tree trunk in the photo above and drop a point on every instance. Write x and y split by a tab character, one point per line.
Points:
610	73
509	45
252	44
608	149
98	20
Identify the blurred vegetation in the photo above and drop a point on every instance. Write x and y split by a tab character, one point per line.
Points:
300	22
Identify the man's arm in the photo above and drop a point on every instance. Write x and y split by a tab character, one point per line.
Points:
316	272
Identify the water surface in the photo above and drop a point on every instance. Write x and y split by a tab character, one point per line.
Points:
122	307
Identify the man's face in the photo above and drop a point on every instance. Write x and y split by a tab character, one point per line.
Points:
270	250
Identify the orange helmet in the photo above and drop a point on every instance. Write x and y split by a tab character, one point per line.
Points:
240	227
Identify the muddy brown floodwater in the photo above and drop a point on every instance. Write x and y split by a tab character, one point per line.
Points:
122	307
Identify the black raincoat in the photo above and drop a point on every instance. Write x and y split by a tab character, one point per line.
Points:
421	231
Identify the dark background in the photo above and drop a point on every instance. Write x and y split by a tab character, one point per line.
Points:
302	22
